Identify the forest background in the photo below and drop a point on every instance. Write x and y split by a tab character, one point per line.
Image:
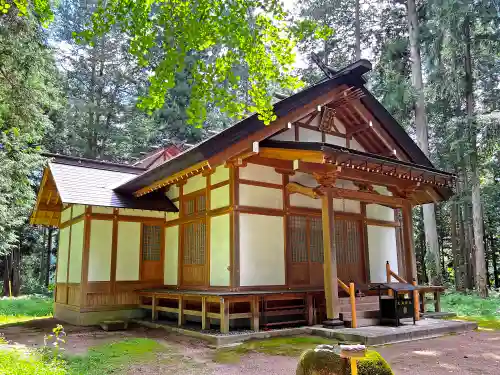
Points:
436	69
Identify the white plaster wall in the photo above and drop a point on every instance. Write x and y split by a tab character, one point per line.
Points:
304	179
220	174
66	215
76	252
381	248
173	192
171	255
220	250
379	212
100	247
142	213
346	205
261	173
195	183
62	255
346	184
382	190
102	210
262	250
287	135
128	251
78	210
259	196
172	216
299	200
333	140
309	135
220	197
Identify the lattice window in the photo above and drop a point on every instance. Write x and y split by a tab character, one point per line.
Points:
195	243
151	242
196	204
316	239
297	227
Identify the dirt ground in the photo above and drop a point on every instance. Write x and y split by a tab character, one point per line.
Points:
470	353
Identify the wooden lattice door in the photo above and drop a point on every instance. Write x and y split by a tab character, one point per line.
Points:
194	259
350	255
152	253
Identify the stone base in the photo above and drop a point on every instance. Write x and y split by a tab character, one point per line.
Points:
333	323
90	318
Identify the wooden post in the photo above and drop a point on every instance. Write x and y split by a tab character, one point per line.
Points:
204	313
154	313
411	260
310	310
255	313
421	295
388	276
352	299
354	366
330	257
224	316
437	301
416	297
181	320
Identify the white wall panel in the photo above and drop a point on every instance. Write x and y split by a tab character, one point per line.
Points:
287	135
220	250
142	213
220	197
100	247
261	173
379	212
220	174
173	191
62	255
128	251
102	210
195	183
262	250
66	215
259	196
78	210
76	252
382	247
309	135
171	255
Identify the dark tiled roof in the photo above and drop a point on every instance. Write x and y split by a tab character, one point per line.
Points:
93	185
350	75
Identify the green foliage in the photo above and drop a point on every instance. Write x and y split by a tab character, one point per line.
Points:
471	305
25	8
17	362
14	310
252	33
113	358
287	346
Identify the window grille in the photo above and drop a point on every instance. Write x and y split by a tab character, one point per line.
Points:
297	226
194	243
151	242
195	204
316	240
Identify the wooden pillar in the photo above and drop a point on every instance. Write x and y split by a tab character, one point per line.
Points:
330	257
154	313
411	260
204	319
224	316
181	320
255	313
437	301
310	310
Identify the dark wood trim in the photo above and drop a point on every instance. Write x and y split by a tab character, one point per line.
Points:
208	235
286	240
260	183
364	239
69	252
72	221
235	230
411	261
114	250
85	256
296	132
310	127
219	184
259	211
381	223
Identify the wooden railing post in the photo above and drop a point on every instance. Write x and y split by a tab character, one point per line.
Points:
352	299
388	276
416	301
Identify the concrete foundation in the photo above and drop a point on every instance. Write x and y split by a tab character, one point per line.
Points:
380	335
90	318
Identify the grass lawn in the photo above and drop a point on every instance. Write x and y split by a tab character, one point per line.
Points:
287	346
486	312
21	309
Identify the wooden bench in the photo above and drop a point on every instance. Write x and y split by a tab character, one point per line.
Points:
436	293
221	305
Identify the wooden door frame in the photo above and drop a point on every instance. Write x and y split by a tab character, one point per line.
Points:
162	252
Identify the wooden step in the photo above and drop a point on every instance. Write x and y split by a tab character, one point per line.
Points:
365	299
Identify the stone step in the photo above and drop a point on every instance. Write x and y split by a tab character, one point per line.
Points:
365	299
362	322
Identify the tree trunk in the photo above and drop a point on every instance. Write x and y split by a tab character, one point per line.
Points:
454	247
49	255
430	226
494	261
357	24
477	209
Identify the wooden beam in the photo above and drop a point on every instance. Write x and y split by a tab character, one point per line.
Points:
330	261
365	197
411	260
294	187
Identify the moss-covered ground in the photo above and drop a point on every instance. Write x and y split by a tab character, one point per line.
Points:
21	309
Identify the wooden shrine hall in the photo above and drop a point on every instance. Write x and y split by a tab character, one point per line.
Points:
257	226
